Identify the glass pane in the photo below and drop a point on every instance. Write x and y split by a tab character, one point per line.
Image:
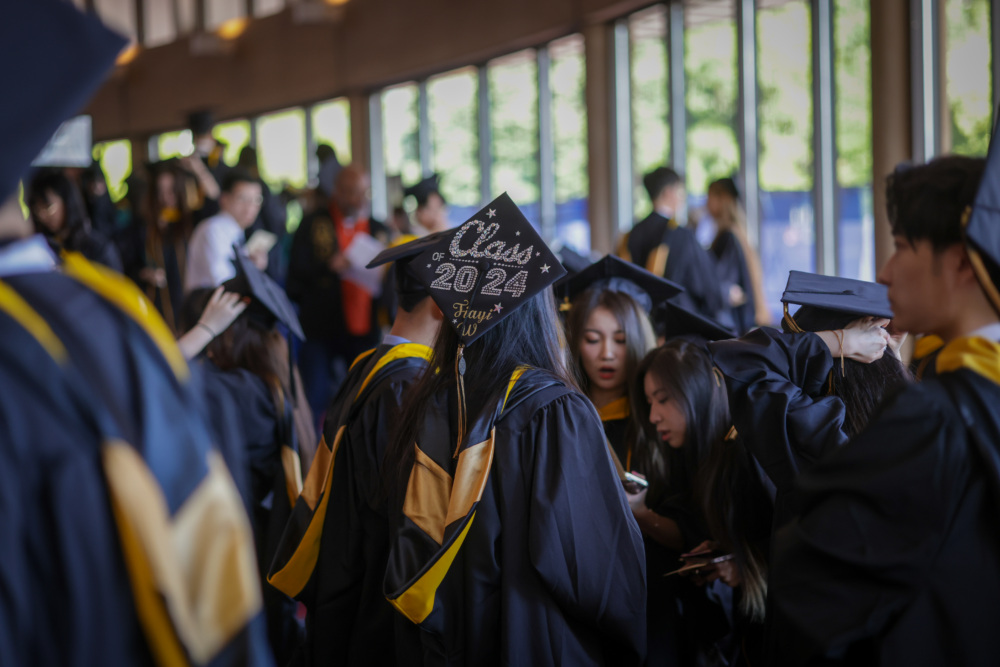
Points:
400	121
235	135
185	14
159	20
267	7
281	148
174	144
118	14
650	102
568	80
784	76
852	78
711	96
453	107
968	85
116	162
331	123
514	127
218	12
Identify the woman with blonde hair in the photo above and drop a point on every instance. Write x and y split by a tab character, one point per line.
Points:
736	261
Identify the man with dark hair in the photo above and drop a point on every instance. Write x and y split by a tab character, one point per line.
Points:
210	251
432	209
893	559
661	245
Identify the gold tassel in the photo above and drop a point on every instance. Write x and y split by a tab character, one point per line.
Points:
460	393
793	326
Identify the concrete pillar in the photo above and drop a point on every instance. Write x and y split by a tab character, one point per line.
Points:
600	169
891	107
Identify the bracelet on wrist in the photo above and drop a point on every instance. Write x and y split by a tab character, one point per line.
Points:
206	328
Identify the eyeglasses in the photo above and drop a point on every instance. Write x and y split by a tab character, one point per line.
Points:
243	199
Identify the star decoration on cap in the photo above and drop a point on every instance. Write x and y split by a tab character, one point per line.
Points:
545	268
517	233
490	213
428	266
497	307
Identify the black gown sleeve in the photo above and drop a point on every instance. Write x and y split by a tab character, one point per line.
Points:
871	519
777	384
598	577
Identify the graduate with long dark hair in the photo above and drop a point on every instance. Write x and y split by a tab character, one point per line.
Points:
511	540
608	332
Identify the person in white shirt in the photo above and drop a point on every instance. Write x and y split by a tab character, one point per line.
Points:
210	251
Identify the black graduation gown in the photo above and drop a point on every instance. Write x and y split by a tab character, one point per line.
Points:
731	267
316	289
893	560
777	385
549	568
688	264
349	620
259	459
104	457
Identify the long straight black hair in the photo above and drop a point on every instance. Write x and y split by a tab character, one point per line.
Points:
529	336
861	387
713	470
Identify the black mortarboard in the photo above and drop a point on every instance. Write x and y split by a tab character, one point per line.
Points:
483	270
573	261
844	295
268	301
982	225
673	321
615	274
409	288
62	57
201	122
424	189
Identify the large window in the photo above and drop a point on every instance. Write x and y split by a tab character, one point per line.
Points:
784	75
281	148
218	12
567	81
174	144
115	158
650	103
968	86
235	135
711	95
159	23
401	138
852	75
514	128
331	124
453	108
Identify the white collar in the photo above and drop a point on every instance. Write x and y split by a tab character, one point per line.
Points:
990	332
30	255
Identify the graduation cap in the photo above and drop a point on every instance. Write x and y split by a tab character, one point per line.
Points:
75	52
409	288
676	321
483	270
843	295
422	190
268	302
981	224
573	261
615	274
201	122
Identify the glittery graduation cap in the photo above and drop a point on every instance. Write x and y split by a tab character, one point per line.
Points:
483	270
844	295
617	275
62	56
982	225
